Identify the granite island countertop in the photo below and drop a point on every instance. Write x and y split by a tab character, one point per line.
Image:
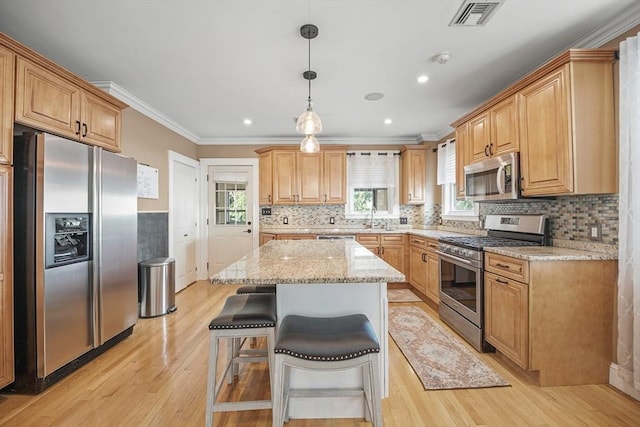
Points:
308	261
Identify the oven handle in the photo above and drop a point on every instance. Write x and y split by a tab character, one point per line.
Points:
458	259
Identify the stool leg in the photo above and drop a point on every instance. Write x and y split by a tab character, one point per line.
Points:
277	392
376	400
287	386
211	378
366	387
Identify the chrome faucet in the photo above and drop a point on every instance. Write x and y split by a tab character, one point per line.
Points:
373	210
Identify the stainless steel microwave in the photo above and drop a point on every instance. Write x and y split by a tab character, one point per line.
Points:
497	178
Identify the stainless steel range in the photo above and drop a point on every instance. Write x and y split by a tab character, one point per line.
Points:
461	260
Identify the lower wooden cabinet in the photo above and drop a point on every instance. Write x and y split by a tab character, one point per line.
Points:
390	247
507	318
6	276
552	316
424	273
266	237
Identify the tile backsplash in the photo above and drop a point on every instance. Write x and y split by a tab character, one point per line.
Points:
569	216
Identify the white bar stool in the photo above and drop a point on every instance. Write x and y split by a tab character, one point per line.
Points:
327	344
243	316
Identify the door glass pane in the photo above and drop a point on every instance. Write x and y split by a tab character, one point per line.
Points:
231	203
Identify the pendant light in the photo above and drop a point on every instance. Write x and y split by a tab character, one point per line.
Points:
309	122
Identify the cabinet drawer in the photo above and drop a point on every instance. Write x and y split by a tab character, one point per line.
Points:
418	241
393	239
368	238
432	245
296	236
513	268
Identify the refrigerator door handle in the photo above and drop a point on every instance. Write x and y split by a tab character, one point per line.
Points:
97	264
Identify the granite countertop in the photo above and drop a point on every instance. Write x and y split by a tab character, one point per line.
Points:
430	233
308	261
551	253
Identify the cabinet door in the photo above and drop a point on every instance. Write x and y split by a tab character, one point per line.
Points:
45	101
6	105
284	180
308	170
433	278
507	318
479	137
334	177
462	157
414	175
370	241
418	266
266	170
545	136
394	256
6	277
101	122
504	127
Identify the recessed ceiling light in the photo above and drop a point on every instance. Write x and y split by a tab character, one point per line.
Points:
423	78
388	121
374	96
247	122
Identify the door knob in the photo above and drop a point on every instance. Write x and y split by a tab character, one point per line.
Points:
248	231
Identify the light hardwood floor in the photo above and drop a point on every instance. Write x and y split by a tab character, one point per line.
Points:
157	377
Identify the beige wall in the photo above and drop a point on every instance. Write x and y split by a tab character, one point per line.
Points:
149	142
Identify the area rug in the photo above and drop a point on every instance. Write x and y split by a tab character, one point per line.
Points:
439	359
402	295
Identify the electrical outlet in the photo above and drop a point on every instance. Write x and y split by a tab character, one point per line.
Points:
595	232
403	220
332	220
266	211
285	220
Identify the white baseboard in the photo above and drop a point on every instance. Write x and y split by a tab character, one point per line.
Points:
618	382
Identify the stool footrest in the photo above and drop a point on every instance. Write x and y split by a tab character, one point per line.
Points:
325	392
242	406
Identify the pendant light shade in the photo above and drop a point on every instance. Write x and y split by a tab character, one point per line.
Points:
309	122
310	144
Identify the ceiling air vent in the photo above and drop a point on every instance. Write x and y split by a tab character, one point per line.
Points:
475	13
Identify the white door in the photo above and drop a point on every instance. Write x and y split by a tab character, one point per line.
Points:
184	209
231	227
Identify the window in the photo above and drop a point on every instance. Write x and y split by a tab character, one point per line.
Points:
460	210
231	203
372	182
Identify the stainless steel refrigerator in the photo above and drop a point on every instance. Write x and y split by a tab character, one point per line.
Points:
75	234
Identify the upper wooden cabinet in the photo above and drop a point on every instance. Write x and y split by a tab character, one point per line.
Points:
462	157
495	131
48	102
561	119
288	176
567	131
7	63
6	277
52	99
413	165
266	182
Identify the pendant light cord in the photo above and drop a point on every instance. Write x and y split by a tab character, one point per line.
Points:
309	69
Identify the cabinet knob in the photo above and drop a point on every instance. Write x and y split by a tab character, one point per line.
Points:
491	149
409	196
77	127
498	264
269	198
486	150
84	130
502	282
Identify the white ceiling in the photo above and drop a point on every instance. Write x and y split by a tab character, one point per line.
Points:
201	67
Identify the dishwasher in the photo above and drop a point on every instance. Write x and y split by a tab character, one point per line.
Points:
336	236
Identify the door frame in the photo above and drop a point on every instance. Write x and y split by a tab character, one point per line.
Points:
179	158
203	248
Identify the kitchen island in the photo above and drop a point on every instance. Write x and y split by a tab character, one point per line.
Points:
322	278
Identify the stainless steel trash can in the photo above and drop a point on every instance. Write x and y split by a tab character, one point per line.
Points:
156	287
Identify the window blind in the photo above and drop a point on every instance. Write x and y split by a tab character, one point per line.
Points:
446	173
373	169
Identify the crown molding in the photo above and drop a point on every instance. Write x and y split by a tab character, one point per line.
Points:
144	108
364	140
618	25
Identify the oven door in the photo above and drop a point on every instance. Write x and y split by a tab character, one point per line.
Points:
461	287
